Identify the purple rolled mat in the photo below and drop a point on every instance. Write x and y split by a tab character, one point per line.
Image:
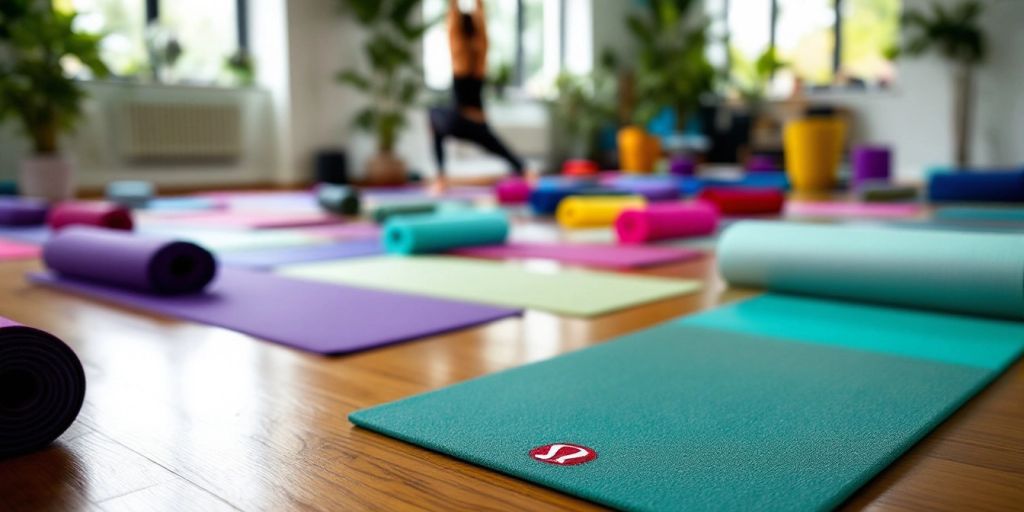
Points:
21	211
42	387
871	163
682	166
120	258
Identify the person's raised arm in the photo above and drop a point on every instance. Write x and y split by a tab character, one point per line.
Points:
480	18
453	14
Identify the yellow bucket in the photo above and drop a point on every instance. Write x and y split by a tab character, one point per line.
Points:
814	148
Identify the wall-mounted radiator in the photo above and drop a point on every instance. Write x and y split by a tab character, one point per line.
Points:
167	132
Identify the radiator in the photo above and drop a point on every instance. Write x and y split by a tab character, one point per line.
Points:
180	132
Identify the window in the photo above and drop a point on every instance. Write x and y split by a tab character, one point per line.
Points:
525	38
209	32
823	42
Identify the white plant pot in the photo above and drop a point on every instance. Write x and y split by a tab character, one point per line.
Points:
47	177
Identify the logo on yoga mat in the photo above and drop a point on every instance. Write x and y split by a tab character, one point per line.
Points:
563	454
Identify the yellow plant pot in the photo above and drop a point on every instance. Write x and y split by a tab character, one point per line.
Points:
638	150
814	148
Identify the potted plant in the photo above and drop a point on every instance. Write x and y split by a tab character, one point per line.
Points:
392	82
956	34
586	104
671	70
35	89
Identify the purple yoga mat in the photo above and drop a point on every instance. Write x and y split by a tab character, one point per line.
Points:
122	258
590	255
20	211
265	259
307	315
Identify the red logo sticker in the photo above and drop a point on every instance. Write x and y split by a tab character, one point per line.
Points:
563	454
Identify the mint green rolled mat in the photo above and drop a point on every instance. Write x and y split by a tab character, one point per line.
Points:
440	232
967	273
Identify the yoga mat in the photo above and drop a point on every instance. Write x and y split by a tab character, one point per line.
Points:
842	209
425	234
183	204
666	221
966	273
18	211
242	219
42	387
590	255
224	240
762	163
775	403
382	213
777	180
118	258
338	199
322	318
652	190
682	166
512	191
996	187
588	212
98	214
130	194
265	259
744	201
980	214
35	235
571	292
871	163
884	191
10	250
579	167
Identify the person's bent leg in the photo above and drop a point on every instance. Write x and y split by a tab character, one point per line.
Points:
486	138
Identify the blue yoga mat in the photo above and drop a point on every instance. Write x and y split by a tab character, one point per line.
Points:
966	186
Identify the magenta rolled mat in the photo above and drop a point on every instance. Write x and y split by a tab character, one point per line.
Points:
42	387
125	260
666	221
106	215
512	191
21	211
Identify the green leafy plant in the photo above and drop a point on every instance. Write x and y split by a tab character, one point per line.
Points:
672	69
35	41
956	34
500	78
393	80
585	103
752	78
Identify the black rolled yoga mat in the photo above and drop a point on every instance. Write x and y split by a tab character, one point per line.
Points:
42	387
124	259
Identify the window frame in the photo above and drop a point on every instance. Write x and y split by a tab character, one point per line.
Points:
152	13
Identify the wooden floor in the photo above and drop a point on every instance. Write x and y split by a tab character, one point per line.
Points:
180	416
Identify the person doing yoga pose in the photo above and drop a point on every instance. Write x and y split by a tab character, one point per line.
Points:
467	35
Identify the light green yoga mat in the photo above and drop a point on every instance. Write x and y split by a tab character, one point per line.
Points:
700	414
569	292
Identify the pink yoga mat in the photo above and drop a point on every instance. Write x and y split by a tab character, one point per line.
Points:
316	317
590	255
863	210
10	250
246	219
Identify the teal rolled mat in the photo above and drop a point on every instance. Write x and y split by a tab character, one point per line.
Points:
966	273
382	213
338	199
440	232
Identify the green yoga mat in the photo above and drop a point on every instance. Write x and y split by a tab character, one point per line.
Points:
569	292
701	414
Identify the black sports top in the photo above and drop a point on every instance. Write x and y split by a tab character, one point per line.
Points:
468	91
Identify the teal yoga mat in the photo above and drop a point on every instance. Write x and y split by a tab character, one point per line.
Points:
703	414
439	232
966	273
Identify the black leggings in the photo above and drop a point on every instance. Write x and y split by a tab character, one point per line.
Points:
450	123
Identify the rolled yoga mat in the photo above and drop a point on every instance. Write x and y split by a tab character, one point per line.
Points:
883	191
666	221
597	211
382	213
966	273
425	234
996	187
652	190
545	200
117	258
18	211
130	194
512	191
98	214
338	199
42	387
744	201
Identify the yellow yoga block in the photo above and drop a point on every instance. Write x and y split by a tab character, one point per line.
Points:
594	211
814	148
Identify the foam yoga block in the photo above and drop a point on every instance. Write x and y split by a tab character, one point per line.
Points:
598	211
42	387
682	166
662	222
512	191
967	273
338	199
382	213
744	201
116	258
16	211
871	163
1000	187
424	234
99	214
131	194
882	192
